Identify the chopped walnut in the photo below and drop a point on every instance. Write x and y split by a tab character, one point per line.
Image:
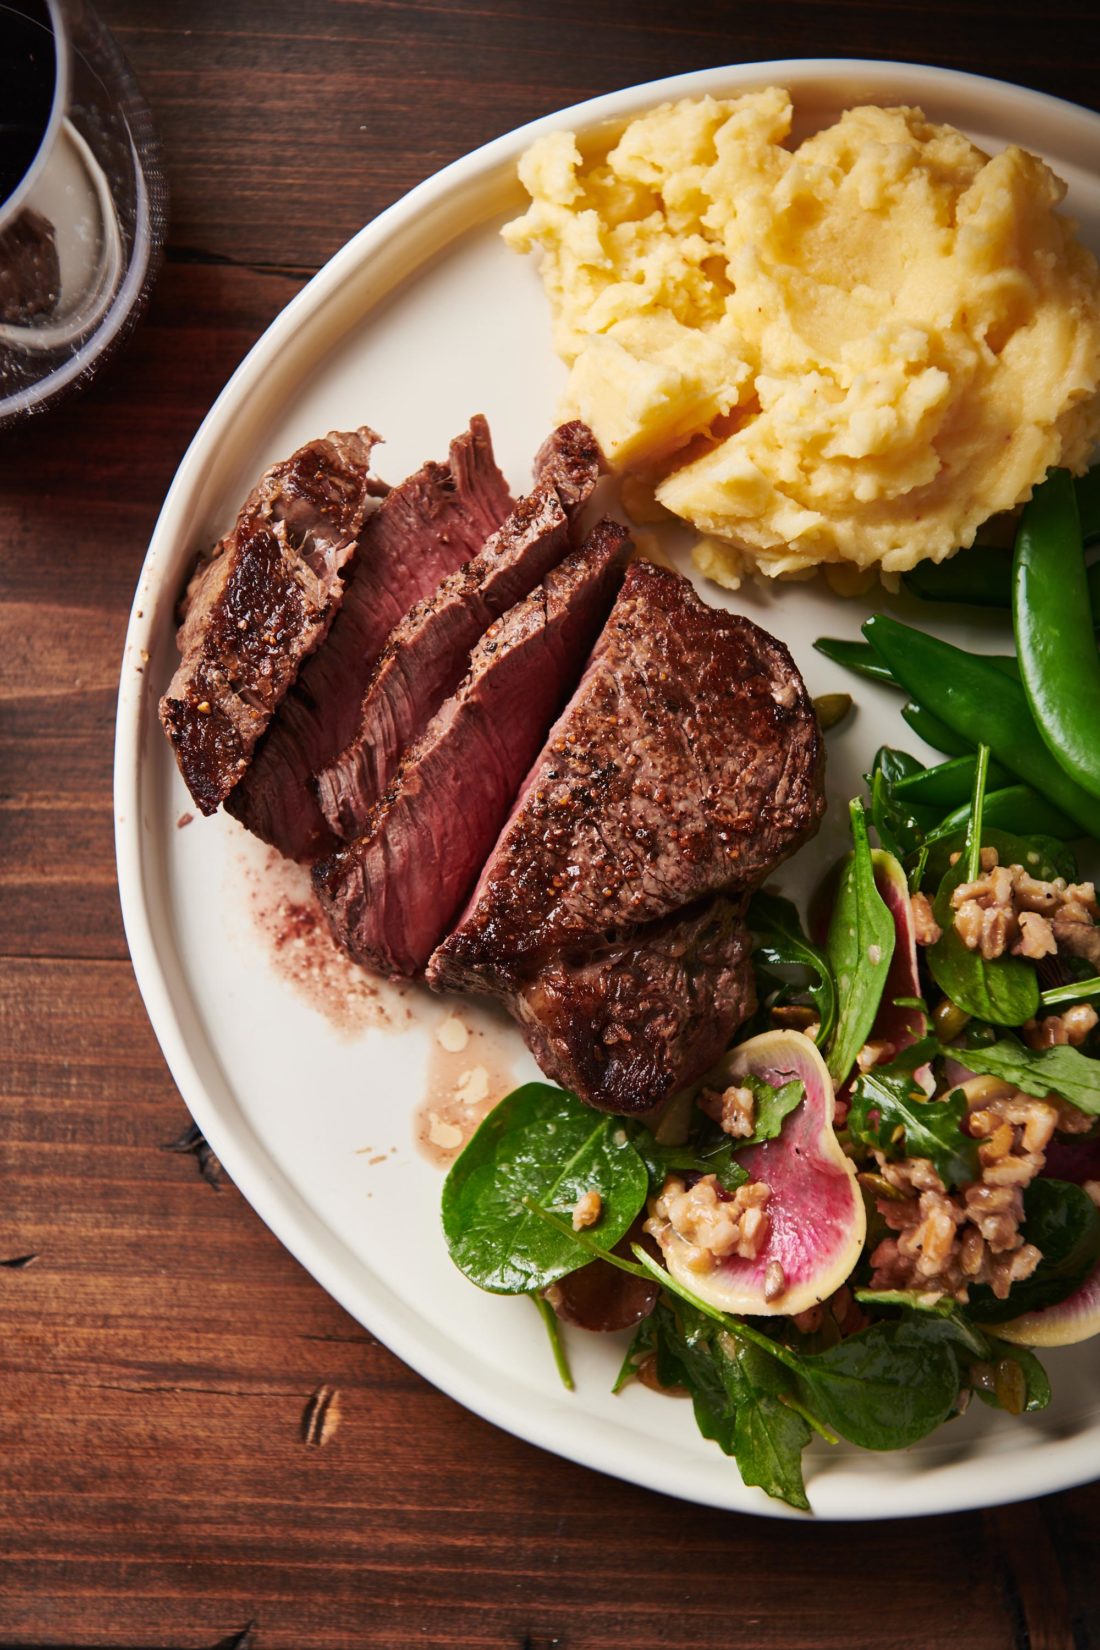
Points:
945	1242
587	1210
1007	909
710	1224
926	929
734	1109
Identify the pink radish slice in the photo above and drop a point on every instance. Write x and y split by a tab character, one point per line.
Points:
816	1219
898	1026
1072	1320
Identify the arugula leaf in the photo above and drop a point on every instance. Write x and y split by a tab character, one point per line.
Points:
773	1105
1064	1224
885	1387
711	1155
860	946
1064	1071
783	944
890	1111
539	1145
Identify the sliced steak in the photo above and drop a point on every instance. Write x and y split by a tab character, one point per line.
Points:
395	891
423	530
260	605
428	653
687	766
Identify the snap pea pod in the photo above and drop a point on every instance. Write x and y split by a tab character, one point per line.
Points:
982	575
949	784
1014	808
859	657
934	732
1055	644
981	703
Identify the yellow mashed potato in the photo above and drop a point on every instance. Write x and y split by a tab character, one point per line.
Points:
856	350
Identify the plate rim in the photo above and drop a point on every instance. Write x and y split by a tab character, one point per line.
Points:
1059	1464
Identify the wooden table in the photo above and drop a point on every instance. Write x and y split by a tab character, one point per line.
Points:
160	1353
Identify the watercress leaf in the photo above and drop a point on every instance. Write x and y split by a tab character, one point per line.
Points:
891	1112
1003	990
1064	1071
885	1387
540	1144
859	947
782	944
1063	1223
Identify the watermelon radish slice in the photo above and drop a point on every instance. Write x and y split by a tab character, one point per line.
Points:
816	1218
1072	1320
898	1026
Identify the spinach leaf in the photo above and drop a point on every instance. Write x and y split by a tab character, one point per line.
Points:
860	946
1064	1071
1064	1224
1036	1381
783	944
1042	856
889	1110
975	1345
1004	991
543	1145
885	1387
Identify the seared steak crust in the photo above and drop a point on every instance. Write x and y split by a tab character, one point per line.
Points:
688	765
260	605
427	654
423	530
641	1016
392	893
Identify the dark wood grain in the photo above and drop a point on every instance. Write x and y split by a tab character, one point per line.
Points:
165	1478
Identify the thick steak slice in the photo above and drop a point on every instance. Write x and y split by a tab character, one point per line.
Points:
395	891
645	1015
688	764
260	605
423	530
428	653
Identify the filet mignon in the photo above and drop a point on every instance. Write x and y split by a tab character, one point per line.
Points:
423	530
688	764
393	893
427	654
260	605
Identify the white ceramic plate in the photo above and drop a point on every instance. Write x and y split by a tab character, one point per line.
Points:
422	319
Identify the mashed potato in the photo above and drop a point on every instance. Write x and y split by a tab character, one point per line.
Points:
857	350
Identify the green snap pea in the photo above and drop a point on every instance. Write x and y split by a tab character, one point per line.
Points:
1055	644
1015	808
982	575
949	784
859	657
934	732
983	705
